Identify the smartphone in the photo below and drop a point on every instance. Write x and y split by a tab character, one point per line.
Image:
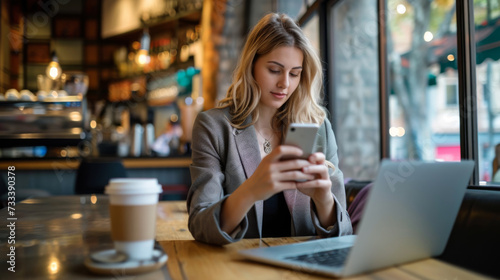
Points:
302	135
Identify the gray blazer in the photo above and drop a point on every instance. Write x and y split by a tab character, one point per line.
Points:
224	157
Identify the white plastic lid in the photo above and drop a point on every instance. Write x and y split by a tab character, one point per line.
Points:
133	186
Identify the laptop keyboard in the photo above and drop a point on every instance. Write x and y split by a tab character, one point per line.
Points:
334	257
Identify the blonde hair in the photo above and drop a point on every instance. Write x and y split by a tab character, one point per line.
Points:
272	31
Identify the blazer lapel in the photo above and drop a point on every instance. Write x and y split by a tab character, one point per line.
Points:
299	207
248	150
259	212
290	197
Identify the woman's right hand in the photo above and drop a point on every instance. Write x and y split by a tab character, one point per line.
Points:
275	174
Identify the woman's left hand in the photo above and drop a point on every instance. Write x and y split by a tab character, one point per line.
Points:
318	189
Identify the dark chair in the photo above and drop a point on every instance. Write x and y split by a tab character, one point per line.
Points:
474	241
3	193
94	174
174	192
352	188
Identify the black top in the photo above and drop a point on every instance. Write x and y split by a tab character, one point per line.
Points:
276	219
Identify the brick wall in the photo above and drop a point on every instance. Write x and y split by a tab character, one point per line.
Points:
354	82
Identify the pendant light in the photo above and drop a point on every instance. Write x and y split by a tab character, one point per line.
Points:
54	70
142	57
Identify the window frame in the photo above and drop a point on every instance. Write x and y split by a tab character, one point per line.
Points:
467	102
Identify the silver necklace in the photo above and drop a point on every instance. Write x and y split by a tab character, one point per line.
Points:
267	142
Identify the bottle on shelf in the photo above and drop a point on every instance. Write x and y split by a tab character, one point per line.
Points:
165	54
173	50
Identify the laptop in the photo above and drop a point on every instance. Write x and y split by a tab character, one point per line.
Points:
409	216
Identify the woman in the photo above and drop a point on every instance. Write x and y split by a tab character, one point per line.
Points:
240	186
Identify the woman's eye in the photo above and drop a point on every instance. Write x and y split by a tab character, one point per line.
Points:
274	71
294	74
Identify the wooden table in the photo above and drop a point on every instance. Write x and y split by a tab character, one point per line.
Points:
189	259
54	235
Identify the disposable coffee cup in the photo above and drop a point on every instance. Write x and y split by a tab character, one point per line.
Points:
132	211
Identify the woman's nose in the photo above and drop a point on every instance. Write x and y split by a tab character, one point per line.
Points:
284	81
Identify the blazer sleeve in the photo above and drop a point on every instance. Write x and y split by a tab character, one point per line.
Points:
328	145
206	193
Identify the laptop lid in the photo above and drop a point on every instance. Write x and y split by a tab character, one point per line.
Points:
409	214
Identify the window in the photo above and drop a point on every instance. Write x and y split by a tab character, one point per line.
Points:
487	35
423	80
311	30
443	100
293	8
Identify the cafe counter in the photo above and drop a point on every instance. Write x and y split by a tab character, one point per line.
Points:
72	163
57	176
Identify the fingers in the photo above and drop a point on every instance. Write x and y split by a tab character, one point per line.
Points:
318	189
296	175
283	151
317	158
315	184
277	163
291	164
314	165
320	170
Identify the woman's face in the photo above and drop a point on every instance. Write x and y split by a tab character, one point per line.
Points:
278	75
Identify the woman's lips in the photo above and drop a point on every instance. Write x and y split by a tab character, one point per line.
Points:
279	95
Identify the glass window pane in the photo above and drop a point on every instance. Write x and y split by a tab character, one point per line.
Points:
424	112
487	33
311	30
37	28
68	51
293	8
354	83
